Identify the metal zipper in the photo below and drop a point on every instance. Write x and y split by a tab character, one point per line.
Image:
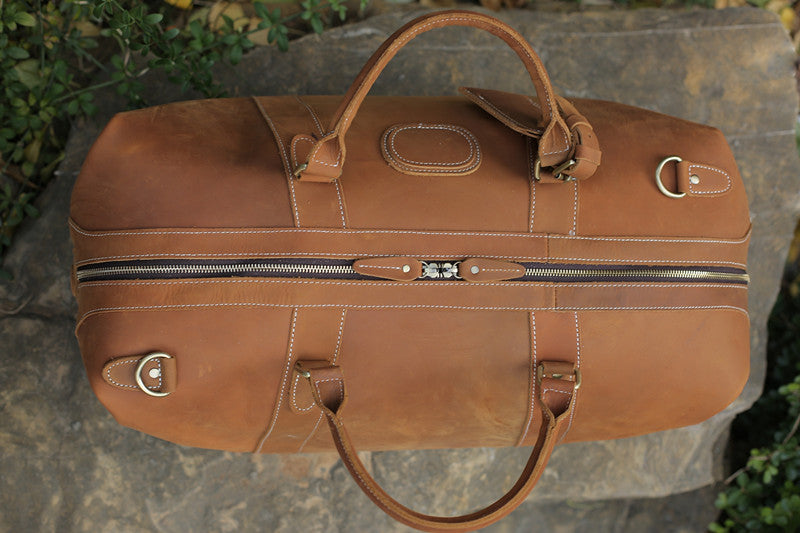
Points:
431	270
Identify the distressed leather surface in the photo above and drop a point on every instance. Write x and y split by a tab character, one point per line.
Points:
428	364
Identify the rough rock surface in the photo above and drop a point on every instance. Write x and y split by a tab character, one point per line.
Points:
68	466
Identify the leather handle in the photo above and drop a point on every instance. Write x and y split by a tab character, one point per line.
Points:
326	158
557	384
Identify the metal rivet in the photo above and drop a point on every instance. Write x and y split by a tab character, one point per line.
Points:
154	373
474	269
406	268
694	179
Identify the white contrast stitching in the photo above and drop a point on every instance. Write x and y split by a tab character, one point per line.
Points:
665	240
294	395
282	390
546	390
341	203
574	209
335	359
472	142
294	155
505	115
400	42
577	366
532	374
341	387
727	177
411	306
591	285
532	182
400	161
125	362
312	113
131	361
286	161
353	254
295	140
564	135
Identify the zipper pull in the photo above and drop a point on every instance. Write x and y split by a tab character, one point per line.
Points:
394	268
479	269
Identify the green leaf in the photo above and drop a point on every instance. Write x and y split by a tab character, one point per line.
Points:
171	34
154	18
316	24
24	19
235	54
261	10
28	73
17	53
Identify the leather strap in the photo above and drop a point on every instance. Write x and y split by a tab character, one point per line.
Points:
555	400
326	158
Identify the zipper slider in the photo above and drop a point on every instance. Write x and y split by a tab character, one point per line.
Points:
394	268
479	269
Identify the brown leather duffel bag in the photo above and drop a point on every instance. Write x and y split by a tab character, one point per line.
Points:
484	270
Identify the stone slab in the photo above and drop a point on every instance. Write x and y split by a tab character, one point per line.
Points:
67	466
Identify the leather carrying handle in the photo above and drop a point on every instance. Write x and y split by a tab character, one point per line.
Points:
326	158
329	392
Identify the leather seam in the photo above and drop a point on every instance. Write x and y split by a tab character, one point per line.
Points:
285	157
604	285
100	310
531	379
351	254
282	390
506	116
574	209
321	133
334	361
563	135
666	240
472	142
532	182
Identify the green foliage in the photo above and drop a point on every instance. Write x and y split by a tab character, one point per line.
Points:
765	494
50	53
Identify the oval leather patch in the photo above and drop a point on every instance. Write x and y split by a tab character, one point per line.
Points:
431	149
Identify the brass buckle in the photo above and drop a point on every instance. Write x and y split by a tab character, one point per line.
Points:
302	371
576	384
558	172
140	367
299	170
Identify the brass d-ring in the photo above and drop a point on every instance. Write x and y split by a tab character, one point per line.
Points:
664	190
140	367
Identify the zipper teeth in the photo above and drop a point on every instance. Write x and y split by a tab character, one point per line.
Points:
177	270
199	270
660	273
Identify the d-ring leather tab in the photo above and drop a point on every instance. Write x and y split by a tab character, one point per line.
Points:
154	373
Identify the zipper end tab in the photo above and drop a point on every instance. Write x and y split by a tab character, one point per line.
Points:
394	268
478	269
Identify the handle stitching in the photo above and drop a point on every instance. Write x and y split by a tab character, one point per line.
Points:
335	358
505	115
727	177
